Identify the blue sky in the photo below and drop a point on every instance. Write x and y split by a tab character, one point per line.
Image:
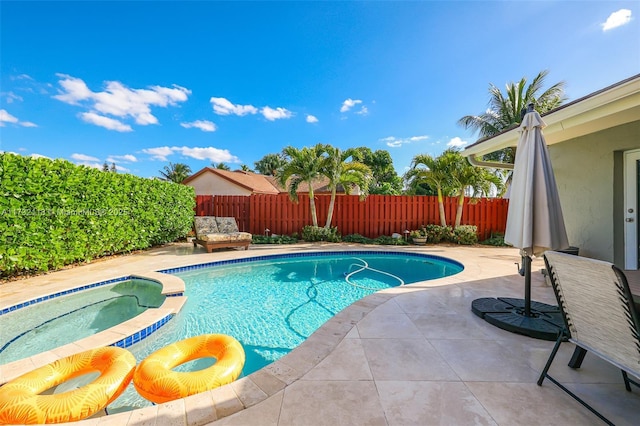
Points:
146	83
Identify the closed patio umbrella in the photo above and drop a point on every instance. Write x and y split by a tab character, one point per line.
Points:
534	220
534	225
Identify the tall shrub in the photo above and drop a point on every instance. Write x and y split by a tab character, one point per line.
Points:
53	213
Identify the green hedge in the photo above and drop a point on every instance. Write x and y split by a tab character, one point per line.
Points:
54	213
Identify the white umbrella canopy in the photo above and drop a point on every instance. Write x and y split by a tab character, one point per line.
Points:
534	221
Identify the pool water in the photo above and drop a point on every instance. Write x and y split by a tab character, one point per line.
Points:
56	322
271	306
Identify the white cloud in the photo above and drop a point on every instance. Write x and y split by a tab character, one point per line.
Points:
74	90
204	125
617	19
21	77
209	153
312	118
456	142
394	142
87	160
127	158
35	155
5	117
212	154
363	111
10	97
160	153
349	103
106	122
223	106
119	168
83	157
119	101
90	164
275	114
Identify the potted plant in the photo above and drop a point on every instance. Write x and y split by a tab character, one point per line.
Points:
419	236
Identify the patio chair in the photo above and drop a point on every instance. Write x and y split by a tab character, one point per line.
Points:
219	232
599	315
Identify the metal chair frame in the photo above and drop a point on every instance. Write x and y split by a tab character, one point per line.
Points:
585	268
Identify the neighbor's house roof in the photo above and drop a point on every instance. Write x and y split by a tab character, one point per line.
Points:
320	185
612	106
257	183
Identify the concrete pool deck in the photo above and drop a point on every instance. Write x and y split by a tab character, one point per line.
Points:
414	355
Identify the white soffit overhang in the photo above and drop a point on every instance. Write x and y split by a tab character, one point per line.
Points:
610	107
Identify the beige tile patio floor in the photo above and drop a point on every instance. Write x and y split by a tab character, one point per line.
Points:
415	355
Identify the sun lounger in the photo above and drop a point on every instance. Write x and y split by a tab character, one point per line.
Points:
599	314
219	232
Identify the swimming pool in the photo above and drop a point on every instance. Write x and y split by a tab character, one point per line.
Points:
52	323
271	304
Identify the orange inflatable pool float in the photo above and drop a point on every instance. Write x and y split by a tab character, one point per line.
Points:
21	402
155	380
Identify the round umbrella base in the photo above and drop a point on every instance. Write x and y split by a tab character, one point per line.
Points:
544	323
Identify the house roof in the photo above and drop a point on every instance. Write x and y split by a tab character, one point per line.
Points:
319	185
257	183
609	107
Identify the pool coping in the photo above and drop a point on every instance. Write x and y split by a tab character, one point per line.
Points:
250	390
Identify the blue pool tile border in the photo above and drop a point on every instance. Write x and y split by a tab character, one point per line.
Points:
61	293
142	334
75	290
306	254
124	342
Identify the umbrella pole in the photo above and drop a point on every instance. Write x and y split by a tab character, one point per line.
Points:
527	285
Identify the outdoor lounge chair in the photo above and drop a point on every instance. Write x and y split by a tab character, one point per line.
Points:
599	315
219	232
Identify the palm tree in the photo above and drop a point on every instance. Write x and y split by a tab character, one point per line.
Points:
466	177
245	168
436	173
270	164
303	166
221	166
505	111
348	174
175	172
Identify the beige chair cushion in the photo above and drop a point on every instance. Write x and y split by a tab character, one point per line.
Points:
222	238
227	225
205	225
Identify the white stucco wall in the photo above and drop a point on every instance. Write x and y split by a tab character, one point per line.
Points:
210	184
584	170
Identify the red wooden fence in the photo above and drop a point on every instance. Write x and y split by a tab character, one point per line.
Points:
375	216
